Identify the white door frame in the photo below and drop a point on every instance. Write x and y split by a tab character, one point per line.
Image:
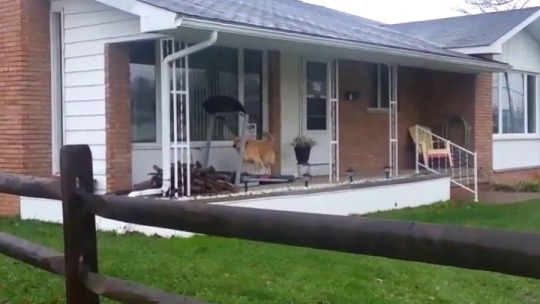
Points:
303	104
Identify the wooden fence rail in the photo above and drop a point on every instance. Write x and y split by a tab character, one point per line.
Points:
508	252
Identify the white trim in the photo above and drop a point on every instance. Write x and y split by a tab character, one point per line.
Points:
518	136
518	28
334	121
377	110
302	38
496	47
153	18
56	6
393	120
140	37
490	49
512	137
57	86
194	145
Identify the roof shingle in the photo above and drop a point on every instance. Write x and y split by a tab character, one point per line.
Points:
466	31
299	17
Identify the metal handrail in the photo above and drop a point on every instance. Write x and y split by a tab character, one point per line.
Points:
457	180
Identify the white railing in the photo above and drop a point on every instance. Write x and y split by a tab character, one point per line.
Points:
444	157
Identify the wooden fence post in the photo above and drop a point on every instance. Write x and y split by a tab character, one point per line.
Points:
80	244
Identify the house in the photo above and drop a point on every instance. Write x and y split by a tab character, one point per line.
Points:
512	37
354	85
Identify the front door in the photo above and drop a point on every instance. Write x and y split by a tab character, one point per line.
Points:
315	122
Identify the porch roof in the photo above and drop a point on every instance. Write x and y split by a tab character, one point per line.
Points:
296	20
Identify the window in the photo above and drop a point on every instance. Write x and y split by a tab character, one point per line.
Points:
514	103
212	71
216	71
380	86
316	96
495	103
142	68
253	86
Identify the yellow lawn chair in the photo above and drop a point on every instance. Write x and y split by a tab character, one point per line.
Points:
429	147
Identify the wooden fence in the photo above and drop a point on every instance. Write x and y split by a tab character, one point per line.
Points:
513	253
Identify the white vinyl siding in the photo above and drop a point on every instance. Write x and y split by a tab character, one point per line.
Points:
88	26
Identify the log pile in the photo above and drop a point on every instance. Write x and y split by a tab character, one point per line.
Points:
204	181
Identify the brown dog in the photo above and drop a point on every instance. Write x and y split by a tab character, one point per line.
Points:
260	153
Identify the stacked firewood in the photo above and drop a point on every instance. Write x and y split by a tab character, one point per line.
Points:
204	181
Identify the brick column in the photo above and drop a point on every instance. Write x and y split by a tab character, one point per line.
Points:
118	117
274	102
25	102
483	123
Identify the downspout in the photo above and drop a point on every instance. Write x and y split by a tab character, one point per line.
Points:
165	105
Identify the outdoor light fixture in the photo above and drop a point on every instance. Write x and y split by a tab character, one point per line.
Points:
387	171
307	178
244	178
350	173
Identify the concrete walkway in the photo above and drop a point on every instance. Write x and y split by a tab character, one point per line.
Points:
494	197
497	197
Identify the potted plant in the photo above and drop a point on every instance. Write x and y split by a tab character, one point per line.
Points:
302	148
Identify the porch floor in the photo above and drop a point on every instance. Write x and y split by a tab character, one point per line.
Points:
324	180
318	184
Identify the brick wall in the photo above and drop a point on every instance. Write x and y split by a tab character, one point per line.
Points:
410	88
25	119
426	97
363	136
513	177
118	117
444	95
364	133
483	125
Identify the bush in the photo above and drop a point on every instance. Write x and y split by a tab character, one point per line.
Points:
526	186
503	188
523	186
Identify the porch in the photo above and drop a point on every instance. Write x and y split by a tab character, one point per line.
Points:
350	115
345	199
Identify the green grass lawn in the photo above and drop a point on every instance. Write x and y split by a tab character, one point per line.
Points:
231	271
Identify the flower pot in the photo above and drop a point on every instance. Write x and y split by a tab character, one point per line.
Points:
302	154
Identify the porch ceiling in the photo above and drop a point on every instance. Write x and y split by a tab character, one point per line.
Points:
322	51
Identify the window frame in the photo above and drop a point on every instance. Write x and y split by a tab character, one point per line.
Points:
157	142
378	108
516	136
304	103
215	143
